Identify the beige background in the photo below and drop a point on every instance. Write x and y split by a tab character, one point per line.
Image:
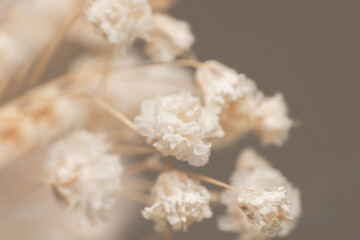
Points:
309	50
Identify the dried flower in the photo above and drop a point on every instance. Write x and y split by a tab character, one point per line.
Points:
265	209
253	171
241	106
271	120
178	201
84	174
222	85
120	21
169	38
178	125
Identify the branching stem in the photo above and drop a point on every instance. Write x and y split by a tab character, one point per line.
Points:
212	181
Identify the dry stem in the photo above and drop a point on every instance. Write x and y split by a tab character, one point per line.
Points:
100	102
212	181
44	61
137	196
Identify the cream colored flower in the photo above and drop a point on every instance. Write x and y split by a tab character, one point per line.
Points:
271	120
120	21
265	209
253	171
169	38
241	106
178	201
222	85
84	174
178	125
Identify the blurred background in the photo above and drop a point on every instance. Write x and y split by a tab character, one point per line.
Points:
308	50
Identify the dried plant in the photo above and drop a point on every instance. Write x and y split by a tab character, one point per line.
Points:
70	142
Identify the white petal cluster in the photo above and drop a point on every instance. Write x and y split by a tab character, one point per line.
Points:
271	120
241	106
179	201
85	175
222	85
253	171
178	125
169	38
120	21
265	209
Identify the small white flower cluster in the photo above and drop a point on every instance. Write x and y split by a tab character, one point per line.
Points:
254	172
85	175
242	107
120	21
179	201
180	126
222	85
265	209
47	115
169	38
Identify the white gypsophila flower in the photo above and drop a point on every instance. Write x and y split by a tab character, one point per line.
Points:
271	120
265	209
179	201
253	171
84	174
169	38
178	125
222	85
241	106
120	21
266	116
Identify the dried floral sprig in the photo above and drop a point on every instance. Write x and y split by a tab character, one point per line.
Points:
177	117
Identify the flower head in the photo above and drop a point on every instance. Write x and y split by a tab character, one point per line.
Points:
265	209
120	21
241	106
169	38
271	120
178	125
84	175
179	201
254	172
222	85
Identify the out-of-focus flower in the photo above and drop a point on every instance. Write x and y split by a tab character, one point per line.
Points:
265	209
179	201
241	106
120	21
169	38
253	171
84	174
222	85
271	120
178	125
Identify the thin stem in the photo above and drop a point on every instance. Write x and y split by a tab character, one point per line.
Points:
168	163
132	149
137	196
138	184
212	181
109	58
44	61
180	62
187	62
150	163
100	102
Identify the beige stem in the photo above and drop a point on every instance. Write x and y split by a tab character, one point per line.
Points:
44	61
100	102
212	181
137	196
